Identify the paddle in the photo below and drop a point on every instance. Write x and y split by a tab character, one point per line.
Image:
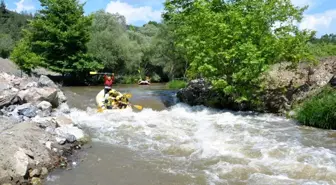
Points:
100	109
97	73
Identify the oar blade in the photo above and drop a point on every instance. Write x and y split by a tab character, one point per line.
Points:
138	107
93	73
100	109
128	95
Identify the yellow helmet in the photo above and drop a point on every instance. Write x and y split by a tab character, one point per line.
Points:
112	91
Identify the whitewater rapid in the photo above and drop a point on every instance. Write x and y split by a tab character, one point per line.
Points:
221	147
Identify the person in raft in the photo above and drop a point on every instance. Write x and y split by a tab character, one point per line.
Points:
108	83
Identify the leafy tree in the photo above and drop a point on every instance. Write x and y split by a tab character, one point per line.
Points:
58	35
24	57
233	42
109	40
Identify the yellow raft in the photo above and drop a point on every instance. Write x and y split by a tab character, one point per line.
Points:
100	100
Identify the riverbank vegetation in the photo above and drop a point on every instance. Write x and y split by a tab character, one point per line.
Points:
319	111
176	84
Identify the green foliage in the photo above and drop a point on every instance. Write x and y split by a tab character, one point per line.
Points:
24	57
319	111
59	34
129	79
233	42
323	49
128	49
6	45
176	84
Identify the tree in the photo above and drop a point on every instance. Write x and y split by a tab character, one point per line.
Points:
233	42
58	35
24	57
109	40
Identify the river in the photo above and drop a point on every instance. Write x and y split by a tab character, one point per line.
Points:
175	144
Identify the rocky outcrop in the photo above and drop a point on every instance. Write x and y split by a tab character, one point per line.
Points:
35	133
285	87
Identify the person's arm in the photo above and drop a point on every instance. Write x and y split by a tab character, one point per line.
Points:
112	77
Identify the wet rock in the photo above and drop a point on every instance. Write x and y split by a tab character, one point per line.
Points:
36	181
64	108
45	81
61	97
35	173
63	121
44	171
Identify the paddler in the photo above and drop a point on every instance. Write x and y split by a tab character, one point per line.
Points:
117	100
108	82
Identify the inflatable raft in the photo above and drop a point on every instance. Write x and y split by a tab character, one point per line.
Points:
100	100
144	82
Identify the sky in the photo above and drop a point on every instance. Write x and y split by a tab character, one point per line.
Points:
320	16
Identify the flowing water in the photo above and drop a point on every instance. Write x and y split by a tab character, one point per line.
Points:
168	143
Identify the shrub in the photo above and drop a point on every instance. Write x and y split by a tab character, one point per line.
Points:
176	84
129	79
319	111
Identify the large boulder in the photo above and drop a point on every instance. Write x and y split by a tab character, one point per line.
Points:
45	81
8	97
36	95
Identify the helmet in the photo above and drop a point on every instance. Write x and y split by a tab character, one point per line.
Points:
113	91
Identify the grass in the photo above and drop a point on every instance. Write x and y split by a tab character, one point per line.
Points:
176	84
320	110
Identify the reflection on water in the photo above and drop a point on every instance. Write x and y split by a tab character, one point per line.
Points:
185	145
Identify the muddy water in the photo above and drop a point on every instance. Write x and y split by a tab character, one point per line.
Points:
165	144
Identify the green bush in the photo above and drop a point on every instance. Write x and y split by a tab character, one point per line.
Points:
129	79
323	49
319	111
176	84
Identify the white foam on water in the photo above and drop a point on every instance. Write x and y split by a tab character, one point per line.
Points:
226	147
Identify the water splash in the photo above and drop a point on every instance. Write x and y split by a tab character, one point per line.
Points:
223	146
